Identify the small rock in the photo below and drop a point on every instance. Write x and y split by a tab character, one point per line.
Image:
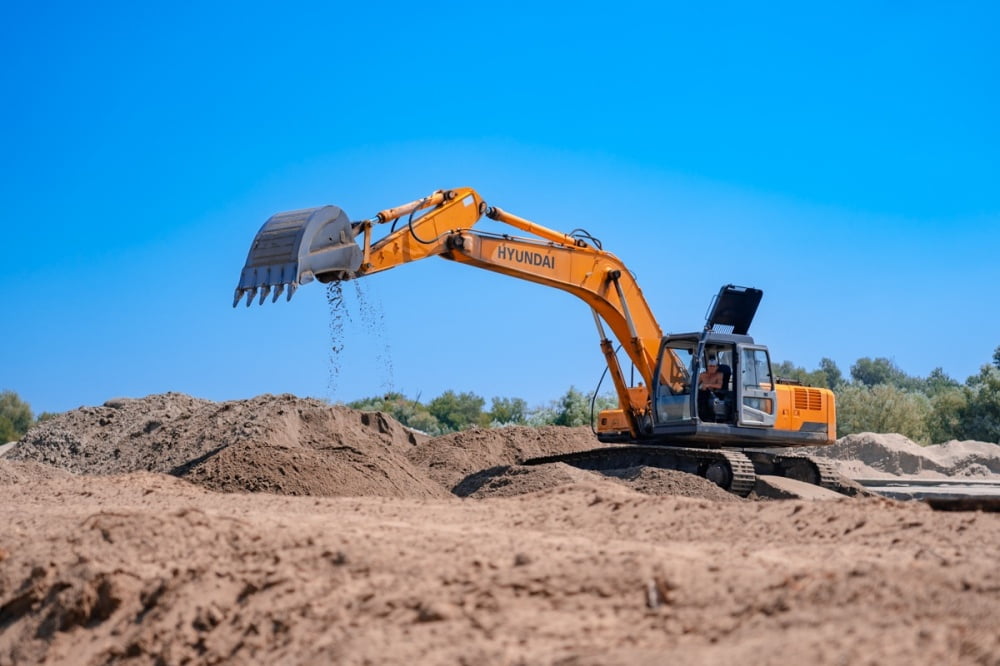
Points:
432	612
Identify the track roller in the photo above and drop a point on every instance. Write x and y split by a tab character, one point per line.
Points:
810	469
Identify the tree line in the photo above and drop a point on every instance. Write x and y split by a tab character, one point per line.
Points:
451	411
879	397
876	397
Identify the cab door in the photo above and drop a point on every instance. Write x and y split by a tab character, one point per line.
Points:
756	396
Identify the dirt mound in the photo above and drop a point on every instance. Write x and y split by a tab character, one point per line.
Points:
510	480
356	471
451	458
655	481
15	471
280	444
156	433
870	453
298	446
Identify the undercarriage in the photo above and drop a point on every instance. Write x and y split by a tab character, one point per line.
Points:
735	470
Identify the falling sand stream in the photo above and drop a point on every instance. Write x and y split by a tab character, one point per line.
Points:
372	317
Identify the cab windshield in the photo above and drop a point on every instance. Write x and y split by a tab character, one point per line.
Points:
673	389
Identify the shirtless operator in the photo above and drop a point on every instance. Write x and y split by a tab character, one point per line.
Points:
711	379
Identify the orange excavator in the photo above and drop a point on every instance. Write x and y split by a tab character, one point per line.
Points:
707	402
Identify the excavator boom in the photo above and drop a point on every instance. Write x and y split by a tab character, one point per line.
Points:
294	248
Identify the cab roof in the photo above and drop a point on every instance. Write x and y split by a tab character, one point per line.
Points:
733	309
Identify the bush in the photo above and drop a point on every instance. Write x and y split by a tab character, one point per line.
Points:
788	370
457	411
15	417
410	413
981	415
572	409
508	411
944	422
882	408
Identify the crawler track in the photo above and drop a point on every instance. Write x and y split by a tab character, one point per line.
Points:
731	470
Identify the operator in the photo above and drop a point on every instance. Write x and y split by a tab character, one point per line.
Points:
708	381
711	379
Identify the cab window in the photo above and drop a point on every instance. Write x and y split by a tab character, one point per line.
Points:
673	390
755	370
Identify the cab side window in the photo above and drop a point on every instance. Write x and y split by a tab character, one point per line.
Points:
754	370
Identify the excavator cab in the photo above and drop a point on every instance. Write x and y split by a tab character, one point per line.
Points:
738	395
716	386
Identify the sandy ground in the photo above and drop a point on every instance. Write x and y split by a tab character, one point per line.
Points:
171	530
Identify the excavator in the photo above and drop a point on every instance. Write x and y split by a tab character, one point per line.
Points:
706	402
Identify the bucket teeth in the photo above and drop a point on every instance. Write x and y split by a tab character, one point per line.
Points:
261	294
291	290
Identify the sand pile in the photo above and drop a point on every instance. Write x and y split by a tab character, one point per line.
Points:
155	433
27	471
450	458
511	480
279	444
294	446
870	454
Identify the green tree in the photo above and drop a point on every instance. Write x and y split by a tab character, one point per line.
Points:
410	413
834	377
944	422
872	372
938	382
15	417
607	401
996	357
981	416
508	411
573	409
7	431
882	408
457	411
788	370
543	415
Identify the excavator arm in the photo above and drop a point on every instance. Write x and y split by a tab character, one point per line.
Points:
327	246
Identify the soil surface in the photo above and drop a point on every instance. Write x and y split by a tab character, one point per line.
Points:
174	530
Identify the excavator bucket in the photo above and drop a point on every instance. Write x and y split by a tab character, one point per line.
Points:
294	247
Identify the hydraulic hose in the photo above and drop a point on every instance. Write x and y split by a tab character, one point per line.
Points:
593	398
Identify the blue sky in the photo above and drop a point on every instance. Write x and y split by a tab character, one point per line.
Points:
842	158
